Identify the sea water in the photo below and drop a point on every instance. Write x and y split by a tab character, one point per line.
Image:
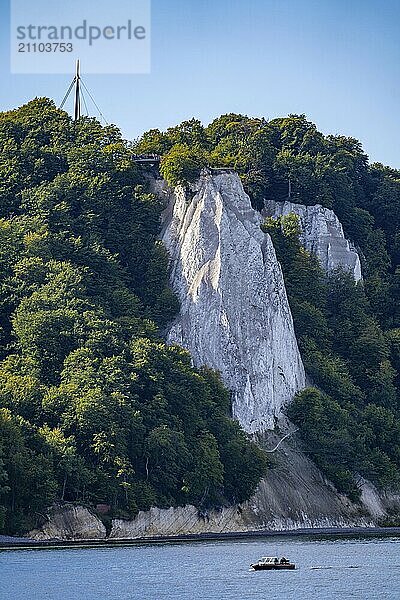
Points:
347	568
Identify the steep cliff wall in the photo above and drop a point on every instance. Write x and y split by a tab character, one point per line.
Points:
69	522
234	313
322	234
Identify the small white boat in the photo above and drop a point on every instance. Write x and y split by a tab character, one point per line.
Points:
273	563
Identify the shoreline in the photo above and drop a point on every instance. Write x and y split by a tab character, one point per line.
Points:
18	543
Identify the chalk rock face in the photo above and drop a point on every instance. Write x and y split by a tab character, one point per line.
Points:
182	519
322	234
234	315
70	522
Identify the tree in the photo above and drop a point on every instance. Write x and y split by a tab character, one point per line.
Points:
182	164
167	459
205	481
28	473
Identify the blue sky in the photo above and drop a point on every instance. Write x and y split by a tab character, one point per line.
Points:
337	61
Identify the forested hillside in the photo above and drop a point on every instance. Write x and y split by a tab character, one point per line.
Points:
94	407
348	333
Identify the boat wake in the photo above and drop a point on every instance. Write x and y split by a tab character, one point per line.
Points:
335	567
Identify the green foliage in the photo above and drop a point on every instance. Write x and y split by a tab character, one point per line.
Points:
346	421
330	434
93	406
27	472
182	164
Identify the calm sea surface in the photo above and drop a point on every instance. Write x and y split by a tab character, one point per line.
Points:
341	568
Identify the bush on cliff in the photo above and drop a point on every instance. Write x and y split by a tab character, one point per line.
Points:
182	164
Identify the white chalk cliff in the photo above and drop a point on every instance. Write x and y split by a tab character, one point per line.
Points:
321	234
234	314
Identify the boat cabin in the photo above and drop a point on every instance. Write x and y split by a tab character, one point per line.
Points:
268	560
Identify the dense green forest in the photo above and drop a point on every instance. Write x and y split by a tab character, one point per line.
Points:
94	407
348	333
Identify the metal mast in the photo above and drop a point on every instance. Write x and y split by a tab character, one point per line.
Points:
77	103
78	85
